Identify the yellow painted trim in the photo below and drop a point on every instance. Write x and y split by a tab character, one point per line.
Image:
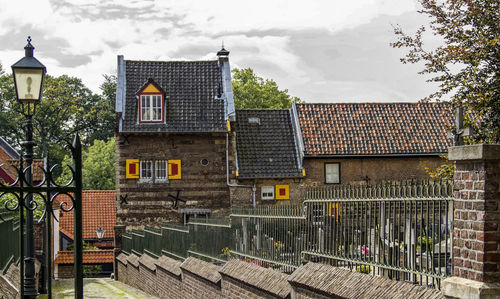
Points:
237	173
228	126
277	193
151	88
129	175
334	210
303	172
178	176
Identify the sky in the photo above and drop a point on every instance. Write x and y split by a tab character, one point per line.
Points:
320	50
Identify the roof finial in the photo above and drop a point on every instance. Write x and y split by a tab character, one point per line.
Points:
28	49
223	52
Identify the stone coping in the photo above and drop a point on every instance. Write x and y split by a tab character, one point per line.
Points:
148	262
133	260
457	287
266	279
202	269
122	258
170	265
339	282
474	152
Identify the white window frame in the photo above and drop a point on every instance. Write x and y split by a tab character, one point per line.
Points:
161	170
153	109
267	192
142	168
330	171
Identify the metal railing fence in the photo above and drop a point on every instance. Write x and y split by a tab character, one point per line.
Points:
400	230
9	230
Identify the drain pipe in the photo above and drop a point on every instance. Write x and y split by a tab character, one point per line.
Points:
254	187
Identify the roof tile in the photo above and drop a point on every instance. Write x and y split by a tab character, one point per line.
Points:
98	210
89	256
375	128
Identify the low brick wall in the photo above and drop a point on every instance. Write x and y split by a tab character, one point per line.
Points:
9	283
193	278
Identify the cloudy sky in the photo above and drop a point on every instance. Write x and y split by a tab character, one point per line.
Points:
320	50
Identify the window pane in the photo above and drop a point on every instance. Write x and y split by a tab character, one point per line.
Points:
161	169
332	175
145	108
146	169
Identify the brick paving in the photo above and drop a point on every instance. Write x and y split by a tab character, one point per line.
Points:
97	288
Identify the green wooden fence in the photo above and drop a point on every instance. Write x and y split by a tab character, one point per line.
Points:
9	230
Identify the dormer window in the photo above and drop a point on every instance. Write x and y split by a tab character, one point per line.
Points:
151	107
151	103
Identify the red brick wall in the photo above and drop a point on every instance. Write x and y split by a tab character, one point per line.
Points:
198	288
233	289
169	286
476	245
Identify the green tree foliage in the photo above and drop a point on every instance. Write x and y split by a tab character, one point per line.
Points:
67	106
467	64
251	91
98	166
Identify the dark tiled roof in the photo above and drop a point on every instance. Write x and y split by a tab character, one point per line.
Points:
375	128
266	149
190	87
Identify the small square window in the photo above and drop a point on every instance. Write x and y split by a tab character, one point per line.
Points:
332	173
267	192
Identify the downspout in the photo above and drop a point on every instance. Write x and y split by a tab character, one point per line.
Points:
254	187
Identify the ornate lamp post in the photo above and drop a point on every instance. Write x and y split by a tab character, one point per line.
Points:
28	79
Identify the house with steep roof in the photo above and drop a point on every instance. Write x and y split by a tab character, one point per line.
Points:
267	156
98	223
357	143
171	140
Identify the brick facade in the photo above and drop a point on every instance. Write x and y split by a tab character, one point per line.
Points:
358	170
476	244
201	186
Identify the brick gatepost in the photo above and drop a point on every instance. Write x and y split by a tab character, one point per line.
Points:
476	234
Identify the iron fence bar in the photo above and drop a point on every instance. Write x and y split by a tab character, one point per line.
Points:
21	227
48	228
191	252
268	216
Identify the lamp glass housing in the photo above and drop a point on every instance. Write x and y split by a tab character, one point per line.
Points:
100	233
28	82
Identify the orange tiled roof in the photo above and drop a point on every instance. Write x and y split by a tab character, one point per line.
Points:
98	210
89	256
375	128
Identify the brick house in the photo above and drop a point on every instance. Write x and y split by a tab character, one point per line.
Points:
171	139
346	143
9	161
98	213
328	144
267	157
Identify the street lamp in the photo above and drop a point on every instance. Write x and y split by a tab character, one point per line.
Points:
100	233
28	79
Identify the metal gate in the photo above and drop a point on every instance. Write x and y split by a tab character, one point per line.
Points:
21	200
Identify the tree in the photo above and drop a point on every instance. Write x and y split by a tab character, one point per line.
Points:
67	107
98	166
467	64
251	91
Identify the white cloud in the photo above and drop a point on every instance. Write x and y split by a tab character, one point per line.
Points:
82	37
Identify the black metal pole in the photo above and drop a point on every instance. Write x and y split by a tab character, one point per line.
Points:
30	290
77	213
